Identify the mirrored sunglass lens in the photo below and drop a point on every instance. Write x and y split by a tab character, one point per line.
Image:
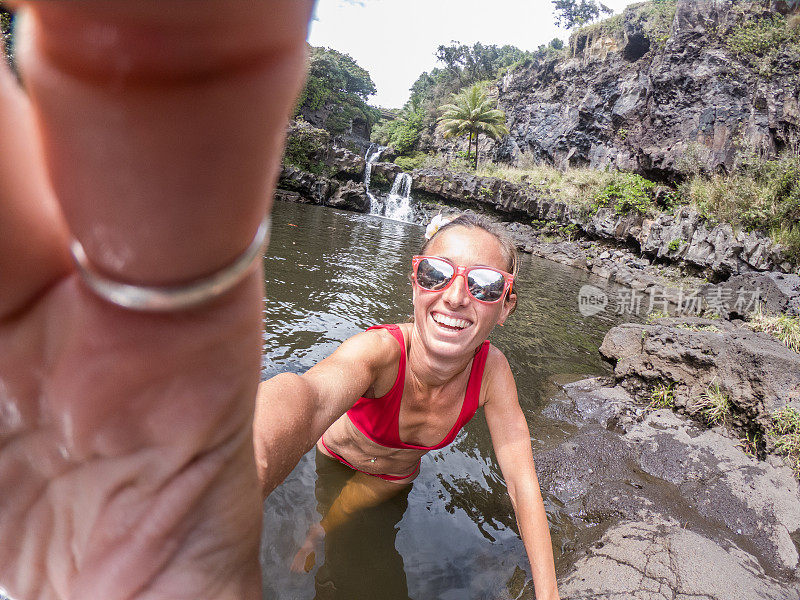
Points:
485	284
433	274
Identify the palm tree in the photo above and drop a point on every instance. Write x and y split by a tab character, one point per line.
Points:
472	112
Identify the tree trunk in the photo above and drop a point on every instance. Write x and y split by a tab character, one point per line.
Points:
469	146
476	151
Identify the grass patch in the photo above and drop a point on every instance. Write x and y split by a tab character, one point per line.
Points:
415	161
713	405
662	396
655	315
575	187
785	432
750	443
760	41
784	328
758	195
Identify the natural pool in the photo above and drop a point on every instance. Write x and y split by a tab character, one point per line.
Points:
331	274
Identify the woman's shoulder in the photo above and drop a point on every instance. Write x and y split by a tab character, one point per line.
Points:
497	376
379	344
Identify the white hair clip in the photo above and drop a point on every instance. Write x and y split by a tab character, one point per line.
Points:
436	223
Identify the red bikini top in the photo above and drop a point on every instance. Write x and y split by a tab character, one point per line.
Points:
379	418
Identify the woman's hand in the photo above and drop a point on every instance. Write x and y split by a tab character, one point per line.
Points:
512	445
151	132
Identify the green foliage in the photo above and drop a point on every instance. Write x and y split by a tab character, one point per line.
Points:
627	192
471	64
569	13
785	432
334	80
471	112
758	195
760	40
403	132
306	147
659	15
655	315
662	396
675	245
416	160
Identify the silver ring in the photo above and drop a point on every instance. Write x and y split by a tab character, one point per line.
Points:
171	298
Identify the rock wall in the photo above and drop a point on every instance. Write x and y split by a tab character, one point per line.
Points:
642	91
683	237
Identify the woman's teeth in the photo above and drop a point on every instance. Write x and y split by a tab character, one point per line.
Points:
450	321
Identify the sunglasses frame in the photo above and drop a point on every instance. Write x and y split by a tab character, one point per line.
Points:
508	278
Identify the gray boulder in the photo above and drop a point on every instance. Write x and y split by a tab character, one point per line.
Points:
757	373
351	195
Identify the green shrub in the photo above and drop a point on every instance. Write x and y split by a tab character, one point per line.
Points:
675	245
408	163
760	41
306	147
627	192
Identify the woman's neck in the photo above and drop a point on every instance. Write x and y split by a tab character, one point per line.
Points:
431	371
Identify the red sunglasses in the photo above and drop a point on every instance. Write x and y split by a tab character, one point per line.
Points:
485	284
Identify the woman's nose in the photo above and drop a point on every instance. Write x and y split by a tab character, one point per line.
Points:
456	292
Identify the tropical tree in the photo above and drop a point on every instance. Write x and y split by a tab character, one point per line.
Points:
471	112
570	13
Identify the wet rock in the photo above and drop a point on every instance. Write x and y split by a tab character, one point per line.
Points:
593	402
311	188
757	373
754	502
344	163
775	293
661	560
385	172
641	507
350	196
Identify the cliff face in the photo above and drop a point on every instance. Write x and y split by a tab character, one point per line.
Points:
662	83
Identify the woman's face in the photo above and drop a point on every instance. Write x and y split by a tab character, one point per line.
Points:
452	322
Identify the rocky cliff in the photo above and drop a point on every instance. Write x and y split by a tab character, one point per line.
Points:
664	82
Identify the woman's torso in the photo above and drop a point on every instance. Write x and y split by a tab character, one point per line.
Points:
425	418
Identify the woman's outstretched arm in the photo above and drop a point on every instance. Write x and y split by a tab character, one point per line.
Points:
293	411
512	445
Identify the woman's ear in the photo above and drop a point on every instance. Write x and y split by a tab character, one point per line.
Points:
509	304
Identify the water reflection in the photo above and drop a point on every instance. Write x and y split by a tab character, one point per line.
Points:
331	274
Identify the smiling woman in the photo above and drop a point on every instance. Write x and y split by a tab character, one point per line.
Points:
389	395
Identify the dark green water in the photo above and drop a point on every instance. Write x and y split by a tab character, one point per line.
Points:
331	274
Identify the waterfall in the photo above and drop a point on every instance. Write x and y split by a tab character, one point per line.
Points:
398	204
372	155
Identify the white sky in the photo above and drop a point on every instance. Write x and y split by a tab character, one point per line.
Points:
395	40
